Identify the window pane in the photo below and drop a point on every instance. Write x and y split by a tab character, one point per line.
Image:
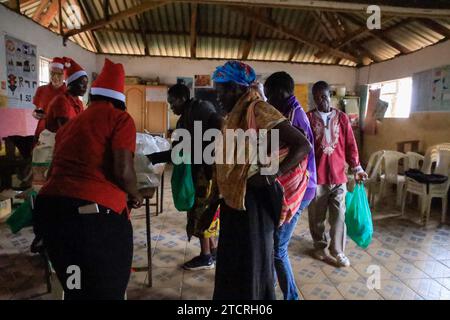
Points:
398	95
403	103
44	70
389	87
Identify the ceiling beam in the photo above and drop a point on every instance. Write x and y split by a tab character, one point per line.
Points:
363	30
323	25
336	31
84	15
295	49
382	34
60	19
142	24
336	6
47	18
364	52
118	17
293	34
27	2
42	5
394	44
339	42
187	34
143	35
193	31
435	26
250	42
106	9
14	5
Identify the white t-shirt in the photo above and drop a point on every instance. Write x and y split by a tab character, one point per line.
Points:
326	120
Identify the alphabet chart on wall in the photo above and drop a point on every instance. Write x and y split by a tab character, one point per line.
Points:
21	77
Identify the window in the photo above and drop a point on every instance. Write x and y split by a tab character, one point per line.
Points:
397	93
44	70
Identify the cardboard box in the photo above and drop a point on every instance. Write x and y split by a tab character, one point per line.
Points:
132	80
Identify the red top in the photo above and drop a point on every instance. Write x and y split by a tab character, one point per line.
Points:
334	148
82	161
42	98
62	106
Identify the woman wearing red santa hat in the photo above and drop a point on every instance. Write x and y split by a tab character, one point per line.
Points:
82	212
44	94
68	105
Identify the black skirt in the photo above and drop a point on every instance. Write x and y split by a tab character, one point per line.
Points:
99	246
245	269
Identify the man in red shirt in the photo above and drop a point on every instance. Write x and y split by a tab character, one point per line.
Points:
334	145
44	94
68	105
82	212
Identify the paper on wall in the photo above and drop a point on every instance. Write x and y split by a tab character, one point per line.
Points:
157	94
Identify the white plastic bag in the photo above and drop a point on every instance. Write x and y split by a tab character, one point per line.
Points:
42	158
148	175
43	151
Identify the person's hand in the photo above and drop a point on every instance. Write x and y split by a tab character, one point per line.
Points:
135	200
39	114
259	180
361	176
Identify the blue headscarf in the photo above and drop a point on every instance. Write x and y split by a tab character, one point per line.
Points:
235	71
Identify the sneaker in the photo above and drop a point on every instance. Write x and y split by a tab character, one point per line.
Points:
320	254
342	260
200	263
214	254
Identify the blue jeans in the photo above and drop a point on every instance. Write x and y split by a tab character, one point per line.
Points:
283	268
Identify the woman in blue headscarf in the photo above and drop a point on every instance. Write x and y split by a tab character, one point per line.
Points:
251	201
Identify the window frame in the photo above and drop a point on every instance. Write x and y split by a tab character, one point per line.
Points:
44	66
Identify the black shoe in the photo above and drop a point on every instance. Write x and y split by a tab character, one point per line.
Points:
214	254
37	246
200	263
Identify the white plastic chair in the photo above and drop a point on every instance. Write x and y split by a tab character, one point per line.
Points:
439	155
390	174
373	171
415	160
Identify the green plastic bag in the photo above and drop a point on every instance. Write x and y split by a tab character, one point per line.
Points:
22	216
358	217
183	190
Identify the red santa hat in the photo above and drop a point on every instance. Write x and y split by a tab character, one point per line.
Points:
110	82
73	70
57	63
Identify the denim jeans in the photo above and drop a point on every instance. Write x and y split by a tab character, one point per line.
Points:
283	268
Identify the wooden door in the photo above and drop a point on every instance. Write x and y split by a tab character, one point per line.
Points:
135	101
156	110
156	118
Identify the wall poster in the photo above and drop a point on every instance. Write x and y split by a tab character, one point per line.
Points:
22	73
431	90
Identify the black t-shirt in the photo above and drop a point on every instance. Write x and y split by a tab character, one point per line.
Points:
194	110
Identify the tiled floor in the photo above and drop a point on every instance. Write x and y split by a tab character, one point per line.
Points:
411	262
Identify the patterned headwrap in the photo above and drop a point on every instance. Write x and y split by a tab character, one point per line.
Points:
235	71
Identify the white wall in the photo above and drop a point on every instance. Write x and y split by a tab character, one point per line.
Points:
168	69
48	43
428	127
20	121
405	66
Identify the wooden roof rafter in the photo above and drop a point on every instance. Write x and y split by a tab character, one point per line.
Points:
296	35
95	25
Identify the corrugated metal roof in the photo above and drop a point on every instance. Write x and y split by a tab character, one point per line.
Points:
224	33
